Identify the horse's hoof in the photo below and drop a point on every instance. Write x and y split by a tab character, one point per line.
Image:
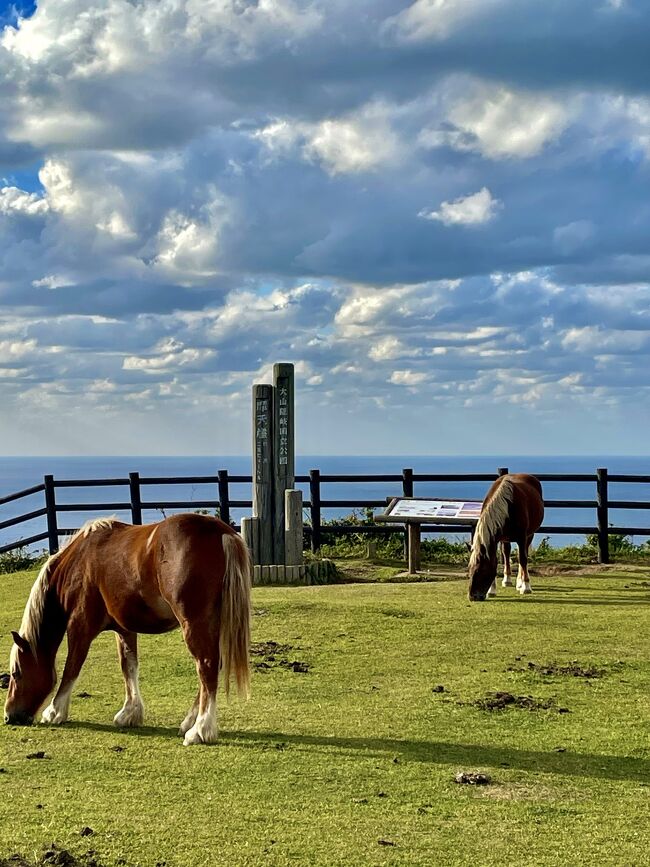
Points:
52	716
196	735
491	594
525	590
128	718
506	582
187	724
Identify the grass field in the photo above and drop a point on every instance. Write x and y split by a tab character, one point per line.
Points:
353	761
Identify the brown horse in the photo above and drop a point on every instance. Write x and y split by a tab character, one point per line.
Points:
188	570
512	511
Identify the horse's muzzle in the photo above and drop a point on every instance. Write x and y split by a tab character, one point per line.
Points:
476	597
19	718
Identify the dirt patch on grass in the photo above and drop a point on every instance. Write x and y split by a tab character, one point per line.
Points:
572	669
472	778
271	654
566	669
53	857
399	613
501	700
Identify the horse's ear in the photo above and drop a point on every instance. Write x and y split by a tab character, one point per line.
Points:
20	641
468	546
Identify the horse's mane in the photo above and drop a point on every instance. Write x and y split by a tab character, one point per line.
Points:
32	621
492	519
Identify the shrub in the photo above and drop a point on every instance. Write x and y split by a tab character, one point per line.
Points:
20	559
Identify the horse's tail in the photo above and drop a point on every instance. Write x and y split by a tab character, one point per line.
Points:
235	627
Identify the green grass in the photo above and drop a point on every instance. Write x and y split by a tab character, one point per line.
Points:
319	767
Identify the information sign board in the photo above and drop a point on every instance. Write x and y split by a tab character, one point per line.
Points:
431	511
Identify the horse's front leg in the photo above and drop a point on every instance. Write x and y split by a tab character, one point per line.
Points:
132	712
79	640
523	578
507	571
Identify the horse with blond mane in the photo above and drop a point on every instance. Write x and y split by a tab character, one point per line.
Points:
512	511
188	570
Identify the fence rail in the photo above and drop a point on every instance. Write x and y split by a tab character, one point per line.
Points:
315	504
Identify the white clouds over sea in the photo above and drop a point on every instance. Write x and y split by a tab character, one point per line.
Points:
437	209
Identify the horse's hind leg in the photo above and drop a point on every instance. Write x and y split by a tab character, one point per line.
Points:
507	571
132	712
203	643
192	714
523	578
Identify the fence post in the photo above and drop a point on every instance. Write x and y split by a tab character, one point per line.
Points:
136	502
602	513
502	471
407	482
314	496
407	491
224	497
50	505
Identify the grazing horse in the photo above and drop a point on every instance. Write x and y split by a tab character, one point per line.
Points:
188	570
512	511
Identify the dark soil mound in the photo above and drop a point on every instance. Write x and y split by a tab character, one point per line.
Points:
272	655
52	857
472	778
501	700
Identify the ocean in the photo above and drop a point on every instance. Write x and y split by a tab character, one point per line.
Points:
18	473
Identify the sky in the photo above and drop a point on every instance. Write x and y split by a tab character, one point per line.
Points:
438	210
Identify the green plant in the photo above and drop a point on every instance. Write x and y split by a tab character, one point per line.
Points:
20	559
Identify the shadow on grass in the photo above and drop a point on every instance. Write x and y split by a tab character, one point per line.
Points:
618	601
467	755
170	732
606	767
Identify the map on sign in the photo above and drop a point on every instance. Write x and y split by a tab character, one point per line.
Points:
433	510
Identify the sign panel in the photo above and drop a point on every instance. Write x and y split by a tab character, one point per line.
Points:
432	510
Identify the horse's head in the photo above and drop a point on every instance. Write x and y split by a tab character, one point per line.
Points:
482	572
30	682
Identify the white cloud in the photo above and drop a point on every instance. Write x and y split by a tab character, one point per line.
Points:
437	19
189	245
407	377
473	210
170	354
389	348
14	201
500	123
52	281
355	142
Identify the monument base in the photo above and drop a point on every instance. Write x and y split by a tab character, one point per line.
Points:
316	572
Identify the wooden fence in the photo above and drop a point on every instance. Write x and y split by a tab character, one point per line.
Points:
134	503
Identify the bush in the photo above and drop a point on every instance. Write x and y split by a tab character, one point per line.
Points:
390	546
20	559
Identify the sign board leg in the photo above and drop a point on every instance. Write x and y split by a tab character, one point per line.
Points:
413	530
